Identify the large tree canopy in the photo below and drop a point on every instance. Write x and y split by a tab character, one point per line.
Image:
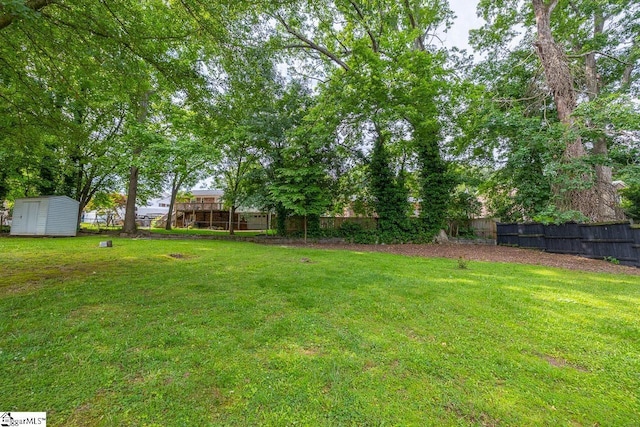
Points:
318	106
571	55
384	80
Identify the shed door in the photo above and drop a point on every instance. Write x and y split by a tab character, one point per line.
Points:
30	217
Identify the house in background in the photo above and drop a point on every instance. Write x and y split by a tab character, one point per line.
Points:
154	208
114	216
207	196
206	210
45	216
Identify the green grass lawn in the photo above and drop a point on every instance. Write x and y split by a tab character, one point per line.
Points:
156	332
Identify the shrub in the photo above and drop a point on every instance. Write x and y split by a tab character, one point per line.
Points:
350	229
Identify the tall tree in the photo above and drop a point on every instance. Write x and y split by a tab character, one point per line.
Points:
380	67
302	182
186	151
285	111
63	62
585	49
235	171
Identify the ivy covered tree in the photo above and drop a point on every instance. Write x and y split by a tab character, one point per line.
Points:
577	53
384	79
389	193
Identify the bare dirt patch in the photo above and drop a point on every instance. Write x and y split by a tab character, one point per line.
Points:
179	256
561	363
489	253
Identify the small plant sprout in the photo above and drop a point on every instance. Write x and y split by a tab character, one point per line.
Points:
463	264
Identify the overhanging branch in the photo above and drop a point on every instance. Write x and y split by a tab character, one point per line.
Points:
35	5
582	55
308	43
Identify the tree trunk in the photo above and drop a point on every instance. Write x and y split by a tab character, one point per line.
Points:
628	72
554	62
175	186
281	220
172	203
560	80
268	223
81	207
130	226
605	192
232	214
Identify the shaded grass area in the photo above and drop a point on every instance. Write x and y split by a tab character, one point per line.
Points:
227	333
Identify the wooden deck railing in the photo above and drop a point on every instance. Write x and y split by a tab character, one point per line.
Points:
198	207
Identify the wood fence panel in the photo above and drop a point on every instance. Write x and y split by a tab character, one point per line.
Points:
485	227
619	241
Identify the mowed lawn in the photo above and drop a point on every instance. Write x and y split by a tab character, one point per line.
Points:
155	333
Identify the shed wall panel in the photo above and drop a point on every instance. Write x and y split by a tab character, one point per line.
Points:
41	226
18	224
62	217
29	217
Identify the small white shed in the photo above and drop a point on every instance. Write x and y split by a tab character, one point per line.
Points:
45	216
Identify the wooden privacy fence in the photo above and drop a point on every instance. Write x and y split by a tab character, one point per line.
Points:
481	227
296	223
611	241
367	223
484	227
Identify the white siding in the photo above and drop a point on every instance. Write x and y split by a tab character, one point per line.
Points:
29	217
41	224
19	221
62	217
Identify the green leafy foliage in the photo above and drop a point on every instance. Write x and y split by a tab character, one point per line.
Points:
600	57
390	196
161	93
612	260
302	182
553	215
631	202
463	207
